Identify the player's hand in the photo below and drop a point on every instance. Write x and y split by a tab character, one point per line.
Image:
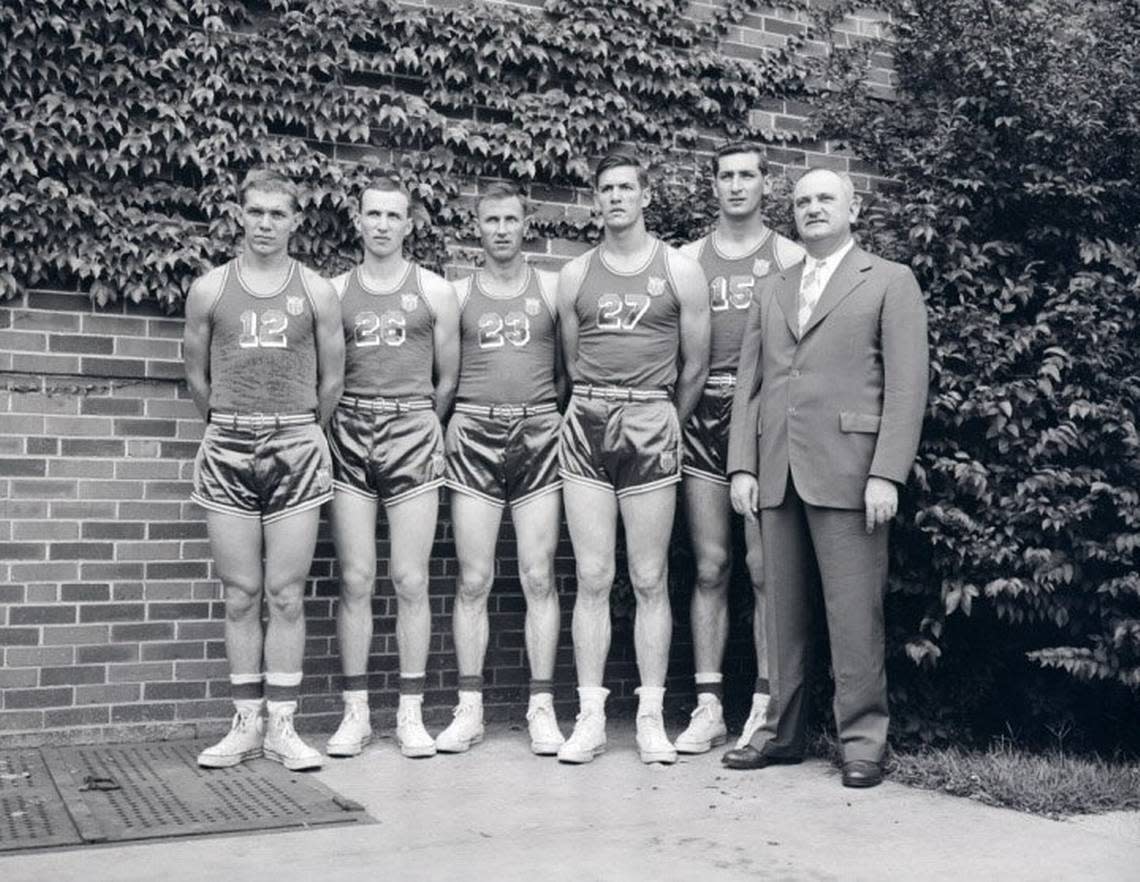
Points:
880	502
745	494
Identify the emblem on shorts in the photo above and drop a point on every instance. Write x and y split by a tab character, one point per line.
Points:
761	267
668	461
409	302
436	468
294	305
655	286
324	478
530	304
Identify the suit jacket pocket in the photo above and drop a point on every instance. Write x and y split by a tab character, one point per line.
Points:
859	422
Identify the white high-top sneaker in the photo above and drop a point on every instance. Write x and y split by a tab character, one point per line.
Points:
354	732
464	730
411	735
706	728
242	742
755	719
652	742
284	745
545	736
588	739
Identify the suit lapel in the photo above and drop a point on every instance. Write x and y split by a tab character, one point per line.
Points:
788	295
848	276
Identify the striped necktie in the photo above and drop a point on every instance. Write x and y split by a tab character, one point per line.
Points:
810	290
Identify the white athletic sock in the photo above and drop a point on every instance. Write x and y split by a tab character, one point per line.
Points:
470	698
593	698
355	696
650	700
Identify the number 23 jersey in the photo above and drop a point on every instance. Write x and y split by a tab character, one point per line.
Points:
507	343
389	342
628	323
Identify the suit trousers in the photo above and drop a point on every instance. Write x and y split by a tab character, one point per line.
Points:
807	548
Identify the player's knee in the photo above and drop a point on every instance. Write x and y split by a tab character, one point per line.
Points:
243	597
648	580
410	583
712	570
595	576
473	584
356	580
286	601
537	580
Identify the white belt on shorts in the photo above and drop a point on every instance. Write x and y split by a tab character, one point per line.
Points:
720	380
620	393
260	420
506	411
385	405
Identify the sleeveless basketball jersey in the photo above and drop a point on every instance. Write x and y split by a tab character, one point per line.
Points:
389	346
628	324
263	351
506	344
732	282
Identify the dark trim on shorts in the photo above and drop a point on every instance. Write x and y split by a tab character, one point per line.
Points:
701	475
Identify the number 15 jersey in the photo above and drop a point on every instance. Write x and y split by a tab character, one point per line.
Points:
506	343
628	324
389	343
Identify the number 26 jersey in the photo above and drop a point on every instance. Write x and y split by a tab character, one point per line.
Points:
628	324
389	343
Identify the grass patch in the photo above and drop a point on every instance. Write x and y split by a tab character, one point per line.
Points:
1050	783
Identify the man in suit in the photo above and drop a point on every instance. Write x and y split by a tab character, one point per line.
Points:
825	425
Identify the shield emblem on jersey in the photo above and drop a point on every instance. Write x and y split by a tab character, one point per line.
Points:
530	304
655	287
409	302
761	267
294	305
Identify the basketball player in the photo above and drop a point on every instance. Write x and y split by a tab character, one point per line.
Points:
739	252
630	311
401	362
502	450
265	364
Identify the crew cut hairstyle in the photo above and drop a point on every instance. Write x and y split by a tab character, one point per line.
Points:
502	190
268	180
621	159
387	182
734	147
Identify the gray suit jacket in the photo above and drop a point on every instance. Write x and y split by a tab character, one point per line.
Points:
842	402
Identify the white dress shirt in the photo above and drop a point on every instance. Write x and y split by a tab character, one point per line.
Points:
816	275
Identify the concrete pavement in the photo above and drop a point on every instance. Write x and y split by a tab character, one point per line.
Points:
499	813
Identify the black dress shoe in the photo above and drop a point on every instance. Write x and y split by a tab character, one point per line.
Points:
748	757
862	773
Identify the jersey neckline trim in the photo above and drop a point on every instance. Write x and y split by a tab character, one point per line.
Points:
251	292
381	292
629	273
747	254
527	278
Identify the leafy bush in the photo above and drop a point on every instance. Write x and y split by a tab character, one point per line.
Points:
1014	144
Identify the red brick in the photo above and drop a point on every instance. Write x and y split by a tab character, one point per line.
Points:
114	530
182	570
44	364
11	593
76	634
169	328
173	691
81	468
203	670
111	612
24	341
77	716
85	591
16	699
77	426
143	713
110	489
83	511
147	550
32	320
148	469
113	367
148	449
37	656
18	678
107	652
113	324
21	424
93	447
165	370
26	508
23	550
19	636
111	407
81	551
73	675
177	530
99	572
41	593
177	611
44	489
108	694
146	428
200	630
45	530
168	489
80	343
137	673
148	631
41	615
178	408
170	591
14	721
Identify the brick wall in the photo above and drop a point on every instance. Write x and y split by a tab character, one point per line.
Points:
110	618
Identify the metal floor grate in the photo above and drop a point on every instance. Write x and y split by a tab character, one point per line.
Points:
110	793
31	813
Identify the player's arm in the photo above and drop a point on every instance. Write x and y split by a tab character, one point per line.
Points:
445	304
329	334
196	335
569	281
693	296
548	283
742	465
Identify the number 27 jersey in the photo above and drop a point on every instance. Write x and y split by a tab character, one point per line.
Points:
628	324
